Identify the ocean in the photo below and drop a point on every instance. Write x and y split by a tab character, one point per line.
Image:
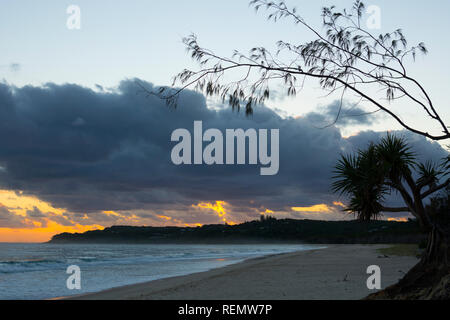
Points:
39	271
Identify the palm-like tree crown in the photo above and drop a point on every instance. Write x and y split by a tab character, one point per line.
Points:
368	176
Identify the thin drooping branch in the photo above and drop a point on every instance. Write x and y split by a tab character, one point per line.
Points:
344	57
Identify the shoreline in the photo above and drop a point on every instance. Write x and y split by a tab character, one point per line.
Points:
332	273
82	295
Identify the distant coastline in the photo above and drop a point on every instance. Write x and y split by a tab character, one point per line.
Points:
267	230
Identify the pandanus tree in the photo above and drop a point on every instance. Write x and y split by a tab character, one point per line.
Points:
388	167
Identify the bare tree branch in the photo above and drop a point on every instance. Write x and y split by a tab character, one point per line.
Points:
343	57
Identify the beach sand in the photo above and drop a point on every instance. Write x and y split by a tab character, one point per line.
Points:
335	273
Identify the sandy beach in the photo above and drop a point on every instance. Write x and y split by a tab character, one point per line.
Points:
335	273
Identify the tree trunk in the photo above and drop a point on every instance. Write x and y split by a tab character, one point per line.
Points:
437	252
430	278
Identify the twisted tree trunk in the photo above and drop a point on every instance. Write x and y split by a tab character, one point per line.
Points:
437	251
430	278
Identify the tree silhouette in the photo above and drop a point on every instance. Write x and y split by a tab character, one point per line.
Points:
391	166
345	58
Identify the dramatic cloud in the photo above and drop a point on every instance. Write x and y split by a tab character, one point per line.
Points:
343	114
10	220
104	158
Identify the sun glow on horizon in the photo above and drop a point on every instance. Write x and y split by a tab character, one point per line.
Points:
28	228
401	219
316	209
178	222
26	218
218	208
42	234
339	204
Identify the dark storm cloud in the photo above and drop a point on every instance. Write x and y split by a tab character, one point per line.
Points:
423	149
35	213
91	151
10	220
343	114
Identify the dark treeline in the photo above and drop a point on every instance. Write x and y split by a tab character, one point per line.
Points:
267	229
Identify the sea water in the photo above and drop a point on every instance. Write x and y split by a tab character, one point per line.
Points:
39	271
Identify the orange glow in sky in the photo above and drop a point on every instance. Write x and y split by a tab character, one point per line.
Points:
17	205
319	208
178	222
338	204
403	219
268	211
218	208
26	218
41	234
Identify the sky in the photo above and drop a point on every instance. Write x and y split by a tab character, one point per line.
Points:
81	148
